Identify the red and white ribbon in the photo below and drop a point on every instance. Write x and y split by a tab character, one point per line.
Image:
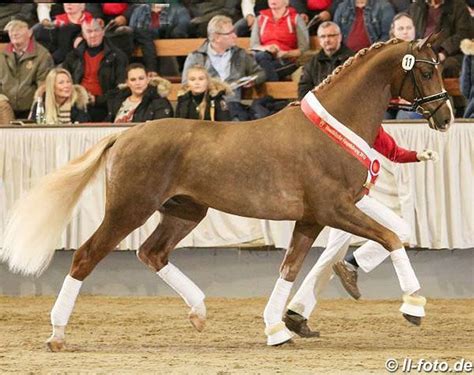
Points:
342	135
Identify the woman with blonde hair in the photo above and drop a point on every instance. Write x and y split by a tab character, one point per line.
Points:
64	103
202	97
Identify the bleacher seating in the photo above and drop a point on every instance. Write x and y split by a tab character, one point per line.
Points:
279	90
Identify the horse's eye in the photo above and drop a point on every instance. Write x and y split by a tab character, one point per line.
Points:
427	75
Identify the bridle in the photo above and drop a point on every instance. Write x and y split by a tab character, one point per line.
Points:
408	64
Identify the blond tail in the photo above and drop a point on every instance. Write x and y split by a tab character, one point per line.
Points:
39	218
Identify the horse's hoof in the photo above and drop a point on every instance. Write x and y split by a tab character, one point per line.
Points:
197	321
299	325
415	320
56	344
287	342
278	334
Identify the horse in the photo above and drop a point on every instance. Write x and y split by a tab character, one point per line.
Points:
283	167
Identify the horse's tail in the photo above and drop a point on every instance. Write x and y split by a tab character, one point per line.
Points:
38	219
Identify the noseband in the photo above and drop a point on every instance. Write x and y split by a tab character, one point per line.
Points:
408	63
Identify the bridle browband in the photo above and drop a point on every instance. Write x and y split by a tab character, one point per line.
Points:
416	105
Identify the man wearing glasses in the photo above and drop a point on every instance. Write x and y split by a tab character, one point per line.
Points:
223	59
333	53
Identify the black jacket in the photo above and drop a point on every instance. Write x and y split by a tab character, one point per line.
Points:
112	70
319	67
153	106
186	107
456	24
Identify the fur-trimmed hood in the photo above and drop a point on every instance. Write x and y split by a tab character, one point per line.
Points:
467	46
163	86
215	87
82	97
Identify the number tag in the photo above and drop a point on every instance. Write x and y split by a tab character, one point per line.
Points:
408	62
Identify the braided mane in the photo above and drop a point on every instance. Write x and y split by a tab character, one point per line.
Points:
351	59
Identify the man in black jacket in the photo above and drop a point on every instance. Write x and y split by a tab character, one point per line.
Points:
333	53
97	65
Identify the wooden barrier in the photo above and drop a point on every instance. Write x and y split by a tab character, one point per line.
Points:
279	90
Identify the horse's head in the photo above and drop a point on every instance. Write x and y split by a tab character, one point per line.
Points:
422	85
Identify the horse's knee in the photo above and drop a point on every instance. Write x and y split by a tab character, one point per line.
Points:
82	265
289	272
154	260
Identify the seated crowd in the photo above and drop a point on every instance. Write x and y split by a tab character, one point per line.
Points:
74	62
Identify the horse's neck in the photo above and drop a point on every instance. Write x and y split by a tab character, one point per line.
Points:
359	96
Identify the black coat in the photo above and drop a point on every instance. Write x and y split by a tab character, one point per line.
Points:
319	67
112	70
186	107
152	107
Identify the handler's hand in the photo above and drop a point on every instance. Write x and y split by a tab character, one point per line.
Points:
426	155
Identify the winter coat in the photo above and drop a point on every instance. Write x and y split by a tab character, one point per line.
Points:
241	64
112	70
378	15
467	76
319	67
19	81
186	107
456	24
78	106
153	106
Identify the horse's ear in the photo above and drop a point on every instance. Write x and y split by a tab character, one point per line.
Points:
429	40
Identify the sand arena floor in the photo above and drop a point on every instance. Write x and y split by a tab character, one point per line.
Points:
152	335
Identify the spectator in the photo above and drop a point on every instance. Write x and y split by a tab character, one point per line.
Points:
313	12
203	11
223	59
450	17
453	20
403	28
250	10
58	37
279	36
97	65
64	103
170	20
202	97
141	98
364	22
23	68
46	12
333	53
467	76
116	17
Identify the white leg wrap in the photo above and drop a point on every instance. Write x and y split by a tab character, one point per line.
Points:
276	303
406	275
370	255
305	299
275	328
62	309
181	284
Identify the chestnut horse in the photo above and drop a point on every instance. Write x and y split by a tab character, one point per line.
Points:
280	168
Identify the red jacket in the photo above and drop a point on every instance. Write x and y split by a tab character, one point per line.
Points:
281	32
63	19
387	146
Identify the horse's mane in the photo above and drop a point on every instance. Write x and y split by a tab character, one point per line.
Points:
356	57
